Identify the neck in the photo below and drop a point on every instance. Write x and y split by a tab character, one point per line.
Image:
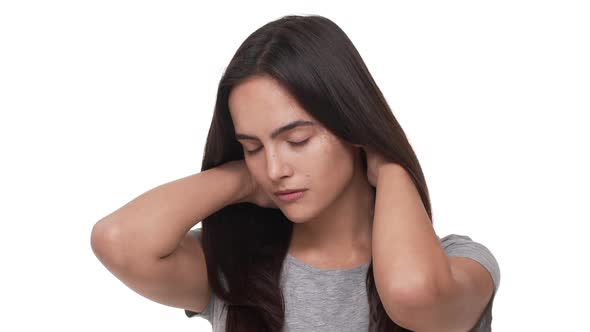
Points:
342	232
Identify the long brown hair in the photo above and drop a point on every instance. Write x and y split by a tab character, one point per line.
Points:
244	244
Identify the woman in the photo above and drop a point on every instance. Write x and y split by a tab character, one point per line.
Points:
315	210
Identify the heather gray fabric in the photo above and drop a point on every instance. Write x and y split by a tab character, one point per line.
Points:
336	300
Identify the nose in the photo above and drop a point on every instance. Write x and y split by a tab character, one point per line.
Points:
277	167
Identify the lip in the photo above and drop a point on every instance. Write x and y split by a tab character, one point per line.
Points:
288	191
290	195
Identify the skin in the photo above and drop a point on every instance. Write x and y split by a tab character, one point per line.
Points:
333	220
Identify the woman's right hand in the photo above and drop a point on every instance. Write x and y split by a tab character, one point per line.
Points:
252	191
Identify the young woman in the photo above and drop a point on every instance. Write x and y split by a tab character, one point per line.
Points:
315	211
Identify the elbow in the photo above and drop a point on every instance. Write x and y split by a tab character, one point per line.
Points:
103	239
404	303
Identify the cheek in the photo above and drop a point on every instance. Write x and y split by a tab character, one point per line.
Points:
334	155
256	172
332	167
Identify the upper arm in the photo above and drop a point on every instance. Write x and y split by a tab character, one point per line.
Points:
178	280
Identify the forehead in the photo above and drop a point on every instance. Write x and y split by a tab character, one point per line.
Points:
262	100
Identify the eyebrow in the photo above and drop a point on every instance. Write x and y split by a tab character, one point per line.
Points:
278	131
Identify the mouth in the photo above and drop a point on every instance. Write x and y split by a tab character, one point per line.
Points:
288	191
290	195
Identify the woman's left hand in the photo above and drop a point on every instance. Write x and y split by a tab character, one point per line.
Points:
374	162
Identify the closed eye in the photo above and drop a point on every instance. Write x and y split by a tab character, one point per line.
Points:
300	143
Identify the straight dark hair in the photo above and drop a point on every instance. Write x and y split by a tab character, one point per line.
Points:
244	244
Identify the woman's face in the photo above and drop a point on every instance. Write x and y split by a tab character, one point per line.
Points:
307	156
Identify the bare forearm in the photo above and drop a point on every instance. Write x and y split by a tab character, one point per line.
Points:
407	255
154	223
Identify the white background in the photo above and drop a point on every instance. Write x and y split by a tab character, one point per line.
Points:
103	100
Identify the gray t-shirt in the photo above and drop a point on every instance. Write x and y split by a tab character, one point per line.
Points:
336	300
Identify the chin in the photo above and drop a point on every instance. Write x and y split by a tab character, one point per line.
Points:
296	220
296	215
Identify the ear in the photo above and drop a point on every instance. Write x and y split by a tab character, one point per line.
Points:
358	146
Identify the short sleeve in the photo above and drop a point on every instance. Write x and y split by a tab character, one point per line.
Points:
207	313
464	246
